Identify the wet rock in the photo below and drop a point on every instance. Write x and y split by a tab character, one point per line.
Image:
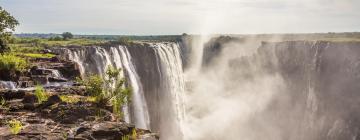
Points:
35	70
12	94
57	79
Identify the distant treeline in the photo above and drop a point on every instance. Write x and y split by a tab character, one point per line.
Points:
170	38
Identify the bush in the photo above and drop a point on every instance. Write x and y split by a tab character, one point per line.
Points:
15	126
10	62
124	41
108	89
40	94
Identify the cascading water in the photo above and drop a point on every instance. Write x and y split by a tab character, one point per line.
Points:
288	90
154	71
141	114
7	84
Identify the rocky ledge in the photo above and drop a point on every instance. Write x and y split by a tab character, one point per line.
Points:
68	113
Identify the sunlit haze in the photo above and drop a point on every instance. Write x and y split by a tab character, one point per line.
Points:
178	16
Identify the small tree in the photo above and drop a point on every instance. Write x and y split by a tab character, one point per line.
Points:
7	25
67	35
108	89
124	41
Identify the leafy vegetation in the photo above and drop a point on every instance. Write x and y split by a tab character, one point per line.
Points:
7	24
40	94
10	62
15	126
132	136
43	43
124	41
108	89
67	35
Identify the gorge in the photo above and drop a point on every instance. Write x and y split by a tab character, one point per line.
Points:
228	88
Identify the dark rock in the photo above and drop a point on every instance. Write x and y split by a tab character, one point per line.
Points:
70	70
29	102
29	98
57	79
73	113
104	130
25	84
40	79
54	99
12	94
15	105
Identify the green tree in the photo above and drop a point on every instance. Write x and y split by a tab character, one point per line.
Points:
108	89
67	35
124	41
7	26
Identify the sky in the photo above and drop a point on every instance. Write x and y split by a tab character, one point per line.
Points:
161	17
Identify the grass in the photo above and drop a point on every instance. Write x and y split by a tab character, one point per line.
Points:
15	126
39	55
11	62
40	94
71	42
91	99
2	101
69	99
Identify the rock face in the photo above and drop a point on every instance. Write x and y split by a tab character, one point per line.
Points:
72	118
157	68
56	119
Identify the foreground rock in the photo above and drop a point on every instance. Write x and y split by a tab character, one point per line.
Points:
57	119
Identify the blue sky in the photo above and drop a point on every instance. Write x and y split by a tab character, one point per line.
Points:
153	17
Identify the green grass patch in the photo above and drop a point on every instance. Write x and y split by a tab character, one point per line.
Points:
39	55
15	126
69	99
41	94
11	62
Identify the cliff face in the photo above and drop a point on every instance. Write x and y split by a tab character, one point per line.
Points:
158	71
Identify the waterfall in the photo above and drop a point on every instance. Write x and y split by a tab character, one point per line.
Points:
155	75
7	84
279	91
173	83
285	90
56	73
141	114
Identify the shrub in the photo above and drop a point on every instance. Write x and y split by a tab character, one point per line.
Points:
94	86
108	89
124	41
10	62
40	94
15	126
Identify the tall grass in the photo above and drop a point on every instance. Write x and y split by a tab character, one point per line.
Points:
40	94
10	62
